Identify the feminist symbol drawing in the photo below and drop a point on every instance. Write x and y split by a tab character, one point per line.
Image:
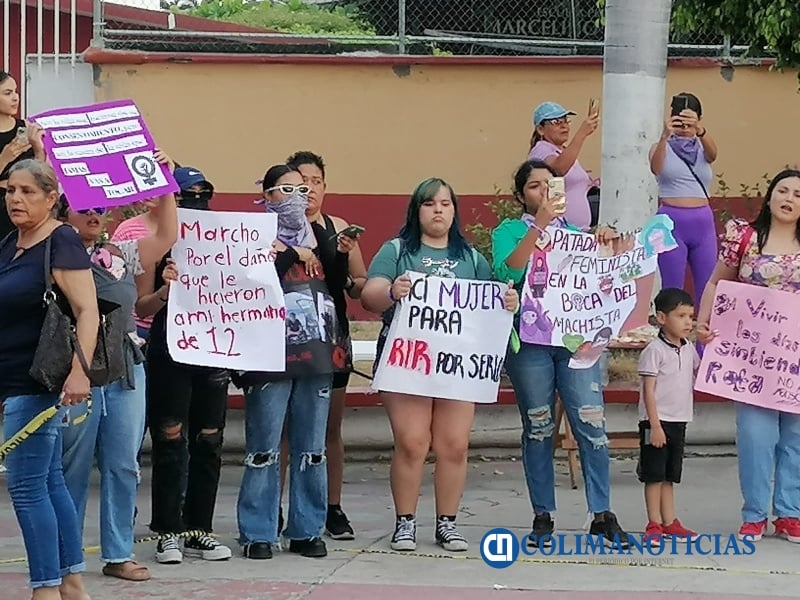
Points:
147	173
145	167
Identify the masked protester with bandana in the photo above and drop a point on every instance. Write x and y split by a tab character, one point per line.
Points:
681	162
300	396
186	414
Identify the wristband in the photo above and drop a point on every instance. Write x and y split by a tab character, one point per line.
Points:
164	300
391	296
700	135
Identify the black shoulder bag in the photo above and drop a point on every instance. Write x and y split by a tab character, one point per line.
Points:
58	341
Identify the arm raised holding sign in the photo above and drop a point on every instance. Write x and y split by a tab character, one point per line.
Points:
430	243
538	370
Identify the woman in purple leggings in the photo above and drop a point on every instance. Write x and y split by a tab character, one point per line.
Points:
681	162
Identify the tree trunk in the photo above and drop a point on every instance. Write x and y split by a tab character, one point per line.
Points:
634	81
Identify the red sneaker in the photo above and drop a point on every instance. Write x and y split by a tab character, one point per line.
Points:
653	534
788	528
677	530
753	530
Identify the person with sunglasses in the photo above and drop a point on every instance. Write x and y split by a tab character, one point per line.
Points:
550	143
336	235
186	407
112	429
300	396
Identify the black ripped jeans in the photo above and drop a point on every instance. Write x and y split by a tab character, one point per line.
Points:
186	468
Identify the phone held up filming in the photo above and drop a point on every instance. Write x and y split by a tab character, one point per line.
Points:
557	188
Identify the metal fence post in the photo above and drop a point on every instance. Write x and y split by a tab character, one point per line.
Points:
726	47
401	26
97	24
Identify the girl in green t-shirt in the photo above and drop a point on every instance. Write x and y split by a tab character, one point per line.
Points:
430	242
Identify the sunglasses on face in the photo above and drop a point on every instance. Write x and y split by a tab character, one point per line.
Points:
87	211
287	188
560	121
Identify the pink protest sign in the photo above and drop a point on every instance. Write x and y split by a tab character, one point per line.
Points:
103	155
755	359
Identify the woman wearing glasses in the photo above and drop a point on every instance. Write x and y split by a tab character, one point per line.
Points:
300	395
113	429
549	143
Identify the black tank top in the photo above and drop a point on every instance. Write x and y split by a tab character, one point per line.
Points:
335	281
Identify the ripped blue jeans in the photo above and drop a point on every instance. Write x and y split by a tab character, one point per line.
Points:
302	403
537	373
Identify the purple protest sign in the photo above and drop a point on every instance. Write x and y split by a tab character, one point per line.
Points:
103	155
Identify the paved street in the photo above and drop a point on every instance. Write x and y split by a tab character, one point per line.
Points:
496	497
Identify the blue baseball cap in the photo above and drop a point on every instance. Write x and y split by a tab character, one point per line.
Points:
189	176
549	110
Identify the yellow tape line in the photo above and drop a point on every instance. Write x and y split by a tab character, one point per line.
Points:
142	540
26	432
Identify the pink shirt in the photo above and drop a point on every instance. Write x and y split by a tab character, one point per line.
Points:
576	183
674	369
134	229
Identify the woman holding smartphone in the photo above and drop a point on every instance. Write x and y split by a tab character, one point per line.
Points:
551	143
18	141
681	162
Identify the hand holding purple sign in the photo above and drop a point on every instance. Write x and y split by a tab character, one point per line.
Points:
104	155
755	357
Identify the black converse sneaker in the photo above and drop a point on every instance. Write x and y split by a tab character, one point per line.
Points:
541	535
448	537
337	526
405	533
206	547
611	531
168	551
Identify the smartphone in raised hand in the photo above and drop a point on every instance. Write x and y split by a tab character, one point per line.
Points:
594	106
557	187
679	104
22	135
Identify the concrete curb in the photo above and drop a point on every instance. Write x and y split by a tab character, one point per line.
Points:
366	430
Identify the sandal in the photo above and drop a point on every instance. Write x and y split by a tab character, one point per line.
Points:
129	570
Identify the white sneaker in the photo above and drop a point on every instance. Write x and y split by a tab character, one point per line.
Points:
405	534
206	547
168	551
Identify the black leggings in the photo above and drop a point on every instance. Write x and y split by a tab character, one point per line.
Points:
194	398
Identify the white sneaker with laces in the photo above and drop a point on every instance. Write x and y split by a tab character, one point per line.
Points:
206	547
405	534
168	551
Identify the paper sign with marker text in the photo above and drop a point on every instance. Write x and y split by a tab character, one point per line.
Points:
227	307
580	294
755	358
447	339
103	155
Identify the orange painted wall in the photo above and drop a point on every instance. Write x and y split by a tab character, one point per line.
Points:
383	127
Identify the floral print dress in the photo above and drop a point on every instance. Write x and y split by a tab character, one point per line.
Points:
777	271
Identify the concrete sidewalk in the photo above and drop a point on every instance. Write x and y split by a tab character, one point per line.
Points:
496	496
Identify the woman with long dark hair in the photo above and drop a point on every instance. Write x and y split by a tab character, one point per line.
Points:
299	397
430	242
18	141
537	371
681	162
765	252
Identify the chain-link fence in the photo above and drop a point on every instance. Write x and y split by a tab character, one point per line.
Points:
419	27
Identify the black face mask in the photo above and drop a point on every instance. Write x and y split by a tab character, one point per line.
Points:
194	200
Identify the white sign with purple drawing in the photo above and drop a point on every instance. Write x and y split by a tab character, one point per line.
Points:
579	294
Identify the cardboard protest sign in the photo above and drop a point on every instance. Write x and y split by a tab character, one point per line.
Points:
755	359
103	155
448	339
227	308
579	294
